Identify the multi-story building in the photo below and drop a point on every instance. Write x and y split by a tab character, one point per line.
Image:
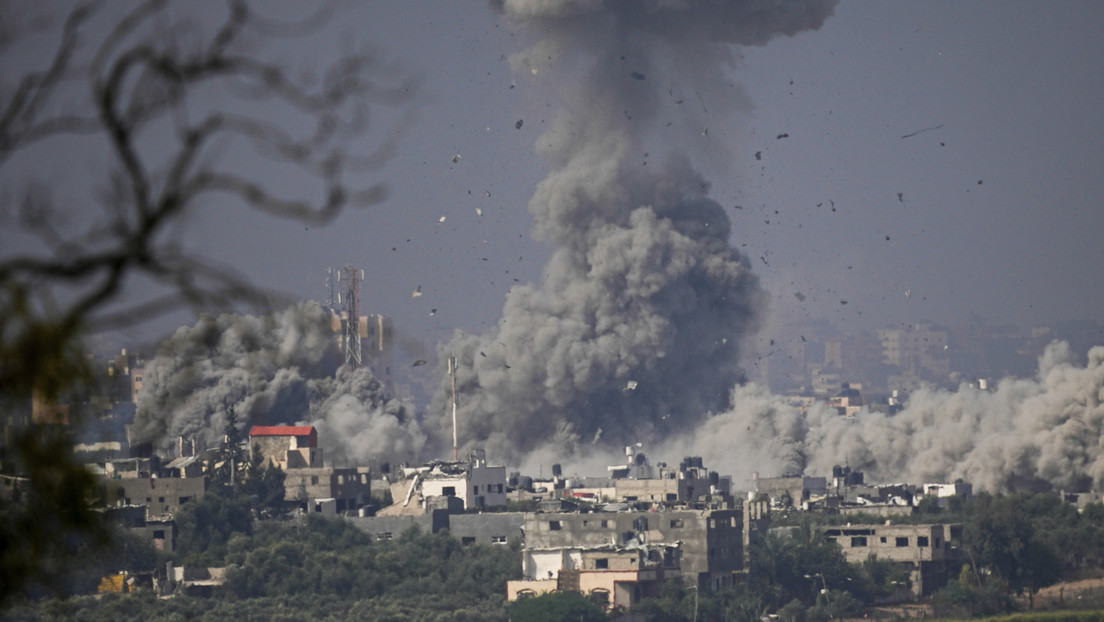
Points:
474	483
307	481
925	549
710	543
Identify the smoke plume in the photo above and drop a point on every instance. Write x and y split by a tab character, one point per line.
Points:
635	328
1031	433
283	368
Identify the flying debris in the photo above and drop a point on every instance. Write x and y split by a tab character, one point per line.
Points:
908	293
456	159
926	129
417	292
800	297
843	302
758	155
636	75
901	197
520	122
631	386
781	136
419	363
433	311
441	219
478	211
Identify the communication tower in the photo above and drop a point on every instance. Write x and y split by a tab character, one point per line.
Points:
351	280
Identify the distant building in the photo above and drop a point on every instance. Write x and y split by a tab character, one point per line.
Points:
925	549
307	481
286	446
473	483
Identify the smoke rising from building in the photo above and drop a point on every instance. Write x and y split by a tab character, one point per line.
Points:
282	368
635	329
1024	434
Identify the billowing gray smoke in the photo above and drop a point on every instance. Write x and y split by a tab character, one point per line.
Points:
283	368
1026	432
635	328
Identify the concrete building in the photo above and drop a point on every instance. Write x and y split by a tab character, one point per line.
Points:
709	542
790	490
610	576
286	446
474	482
161	495
638	480
328	490
925	549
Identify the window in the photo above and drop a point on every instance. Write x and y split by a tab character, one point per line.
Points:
183	500
602	563
160	499
159	534
384	536
902	541
921	541
467	540
883	539
475	489
640	524
600	597
314	480
676	523
554	525
449	491
605	524
672	497
498	539
340	480
858	541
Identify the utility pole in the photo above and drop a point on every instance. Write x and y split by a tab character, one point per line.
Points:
353	277
455	444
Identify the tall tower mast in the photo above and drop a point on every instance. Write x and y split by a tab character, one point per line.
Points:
352	279
452	373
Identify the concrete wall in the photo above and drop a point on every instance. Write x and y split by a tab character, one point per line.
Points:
490	528
388	527
162	495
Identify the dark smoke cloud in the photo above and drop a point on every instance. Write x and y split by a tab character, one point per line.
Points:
283	368
635	329
1047	430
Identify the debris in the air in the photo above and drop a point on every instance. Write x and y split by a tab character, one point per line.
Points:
887	238
417	292
843	302
483	354
979	182
631	386
926	129
419	363
908	293
520	122
456	158
781	136
441	220
901	197
636	75
478	211
433	311
800	297
758	155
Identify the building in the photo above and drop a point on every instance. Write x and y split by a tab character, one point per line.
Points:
611	576
474	483
637	480
710	543
925	549
286	446
791	490
307	481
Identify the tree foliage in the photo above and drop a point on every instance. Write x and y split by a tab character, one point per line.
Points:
159	93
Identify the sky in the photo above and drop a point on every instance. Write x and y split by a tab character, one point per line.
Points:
924	161
941	161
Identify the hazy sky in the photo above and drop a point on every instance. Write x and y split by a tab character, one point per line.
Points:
937	161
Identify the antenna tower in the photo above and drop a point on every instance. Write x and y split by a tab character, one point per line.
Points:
352	280
333	297
452	373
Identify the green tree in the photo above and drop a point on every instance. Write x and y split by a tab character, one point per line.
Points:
134	87
556	607
1002	540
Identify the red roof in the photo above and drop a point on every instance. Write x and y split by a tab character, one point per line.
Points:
282	430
